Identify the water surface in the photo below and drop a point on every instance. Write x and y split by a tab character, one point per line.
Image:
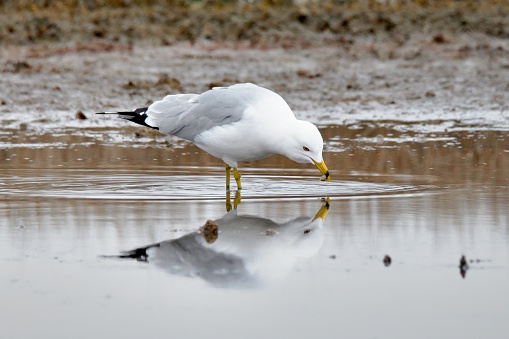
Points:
70	204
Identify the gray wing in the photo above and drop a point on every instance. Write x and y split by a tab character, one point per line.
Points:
187	115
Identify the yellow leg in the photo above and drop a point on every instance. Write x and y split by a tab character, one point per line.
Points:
228	168
236	200
228	202
236	175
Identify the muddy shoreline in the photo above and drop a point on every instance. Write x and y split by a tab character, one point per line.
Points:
320	84
334	62
262	24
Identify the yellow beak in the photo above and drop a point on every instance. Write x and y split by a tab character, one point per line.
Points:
323	169
323	210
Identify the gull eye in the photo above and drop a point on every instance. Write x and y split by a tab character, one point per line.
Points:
305	148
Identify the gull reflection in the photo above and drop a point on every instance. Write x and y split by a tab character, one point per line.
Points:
238	250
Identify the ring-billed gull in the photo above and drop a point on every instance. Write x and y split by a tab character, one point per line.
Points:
242	122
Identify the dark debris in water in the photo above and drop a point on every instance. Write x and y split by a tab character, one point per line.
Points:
270	232
463	266
387	261
210	231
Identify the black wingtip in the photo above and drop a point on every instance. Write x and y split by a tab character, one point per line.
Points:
137	116
139	254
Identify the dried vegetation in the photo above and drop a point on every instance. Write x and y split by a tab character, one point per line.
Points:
261	24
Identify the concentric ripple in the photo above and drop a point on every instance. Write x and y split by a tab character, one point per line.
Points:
159	186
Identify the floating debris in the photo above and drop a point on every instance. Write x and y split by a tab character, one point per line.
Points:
387	261
270	232
463	266
210	231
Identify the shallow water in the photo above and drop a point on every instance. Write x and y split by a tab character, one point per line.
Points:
70	204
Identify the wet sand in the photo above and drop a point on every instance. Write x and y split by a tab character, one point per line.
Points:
418	151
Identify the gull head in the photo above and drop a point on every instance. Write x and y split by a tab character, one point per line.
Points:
304	144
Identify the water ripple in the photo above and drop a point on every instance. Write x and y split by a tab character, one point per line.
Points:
128	186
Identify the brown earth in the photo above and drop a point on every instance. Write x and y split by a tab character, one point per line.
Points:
261	24
335	63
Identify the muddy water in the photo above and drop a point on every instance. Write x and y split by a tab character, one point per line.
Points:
71	202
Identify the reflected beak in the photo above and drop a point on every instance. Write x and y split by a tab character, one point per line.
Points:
323	169
323	210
